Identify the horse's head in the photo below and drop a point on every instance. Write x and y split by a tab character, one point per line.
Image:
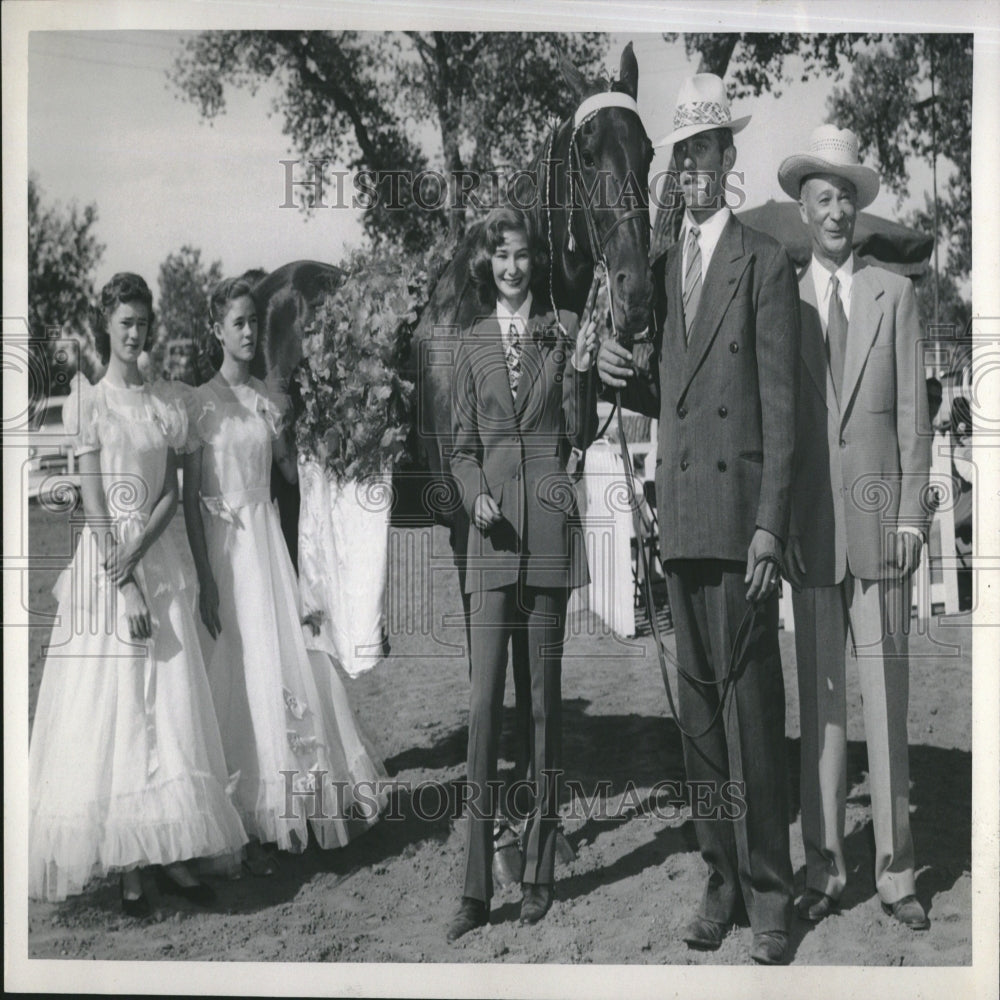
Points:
603	184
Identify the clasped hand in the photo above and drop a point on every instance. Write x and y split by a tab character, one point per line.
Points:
122	560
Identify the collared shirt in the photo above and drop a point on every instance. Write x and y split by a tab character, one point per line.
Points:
823	283
710	232
520	320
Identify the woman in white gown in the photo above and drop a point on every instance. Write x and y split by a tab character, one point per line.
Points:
283	712
126	768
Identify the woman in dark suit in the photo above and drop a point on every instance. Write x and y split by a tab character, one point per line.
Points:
524	395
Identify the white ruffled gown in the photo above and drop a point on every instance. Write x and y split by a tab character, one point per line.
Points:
126	767
283	711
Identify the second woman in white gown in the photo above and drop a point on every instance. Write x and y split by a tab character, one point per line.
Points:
283	712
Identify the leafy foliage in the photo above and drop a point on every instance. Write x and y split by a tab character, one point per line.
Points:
364	100
182	312
355	414
63	253
882	104
756	61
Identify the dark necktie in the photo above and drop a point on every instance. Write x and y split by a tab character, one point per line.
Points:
513	356
692	280
836	335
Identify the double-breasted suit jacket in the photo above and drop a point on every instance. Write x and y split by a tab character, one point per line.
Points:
726	400
516	451
863	450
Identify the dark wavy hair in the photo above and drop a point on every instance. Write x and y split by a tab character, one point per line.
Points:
223	293
496	225
124	288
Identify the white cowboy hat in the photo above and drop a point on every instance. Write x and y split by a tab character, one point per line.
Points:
702	104
831	151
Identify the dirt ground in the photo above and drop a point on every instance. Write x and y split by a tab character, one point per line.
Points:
637	876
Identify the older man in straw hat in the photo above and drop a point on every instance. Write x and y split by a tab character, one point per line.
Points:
726	338
858	519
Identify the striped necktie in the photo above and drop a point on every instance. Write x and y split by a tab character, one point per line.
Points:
692	280
513	357
836	335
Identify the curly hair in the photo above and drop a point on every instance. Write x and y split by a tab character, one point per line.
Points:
495	227
124	288
223	293
226	291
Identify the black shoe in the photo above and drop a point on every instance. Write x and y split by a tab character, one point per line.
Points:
908	912
535	902
472	913
201	894
769	947
138	908
814	905
704	934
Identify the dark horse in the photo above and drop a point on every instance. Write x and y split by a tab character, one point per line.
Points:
587	191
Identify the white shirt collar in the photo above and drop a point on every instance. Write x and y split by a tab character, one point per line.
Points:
822	283
709	234
505	317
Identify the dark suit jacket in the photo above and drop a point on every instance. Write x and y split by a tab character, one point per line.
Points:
863	449
725	402
516	451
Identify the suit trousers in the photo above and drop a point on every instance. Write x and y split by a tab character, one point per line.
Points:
877	612
737	771
495	616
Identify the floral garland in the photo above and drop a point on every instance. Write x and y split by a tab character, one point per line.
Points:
355	412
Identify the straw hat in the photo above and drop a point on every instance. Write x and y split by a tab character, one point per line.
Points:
831	151
702	104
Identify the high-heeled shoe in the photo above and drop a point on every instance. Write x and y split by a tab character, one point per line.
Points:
138	908
199	893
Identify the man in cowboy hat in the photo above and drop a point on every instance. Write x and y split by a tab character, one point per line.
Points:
725	338
861	467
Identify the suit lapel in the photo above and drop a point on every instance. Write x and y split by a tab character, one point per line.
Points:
673	348
728	263
813	344
862	328
532	360
489	344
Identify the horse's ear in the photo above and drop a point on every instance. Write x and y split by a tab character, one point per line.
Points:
628	73
573	77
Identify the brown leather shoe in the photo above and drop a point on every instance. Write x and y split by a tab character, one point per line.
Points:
909	912
703	934
535	902
814	905
472	913
769	947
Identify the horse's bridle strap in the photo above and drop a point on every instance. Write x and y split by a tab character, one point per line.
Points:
606	99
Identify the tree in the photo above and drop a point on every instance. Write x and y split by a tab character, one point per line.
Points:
360	98
183	338
880	103
63	253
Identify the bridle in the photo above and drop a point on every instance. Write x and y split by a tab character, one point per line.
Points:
598	244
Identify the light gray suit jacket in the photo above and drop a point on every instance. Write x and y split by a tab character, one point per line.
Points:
863	449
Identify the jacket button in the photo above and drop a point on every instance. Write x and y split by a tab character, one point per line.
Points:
843	443
684	465
681	412
723	412
722	466
734	347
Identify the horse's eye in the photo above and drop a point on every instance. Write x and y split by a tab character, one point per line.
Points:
587	157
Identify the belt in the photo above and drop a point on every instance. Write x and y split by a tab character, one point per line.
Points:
225	505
